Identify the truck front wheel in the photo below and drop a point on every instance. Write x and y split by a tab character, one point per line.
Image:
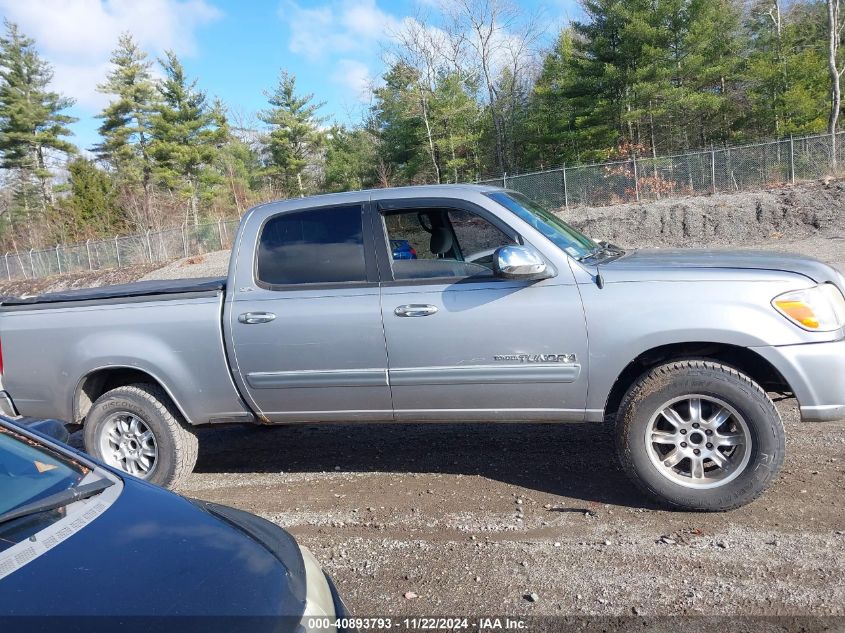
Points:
137	429
699	435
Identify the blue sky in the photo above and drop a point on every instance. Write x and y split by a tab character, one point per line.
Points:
235	49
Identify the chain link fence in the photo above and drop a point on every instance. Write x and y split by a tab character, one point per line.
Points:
636	179
118	252
709	171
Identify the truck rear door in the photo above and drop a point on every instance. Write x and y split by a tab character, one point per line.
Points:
305	334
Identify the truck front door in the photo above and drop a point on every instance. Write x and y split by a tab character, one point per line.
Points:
306	341
462	343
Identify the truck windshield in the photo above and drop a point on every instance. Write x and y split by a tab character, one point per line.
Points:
30	471
570	240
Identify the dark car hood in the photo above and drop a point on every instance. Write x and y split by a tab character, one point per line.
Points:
649	263
155	553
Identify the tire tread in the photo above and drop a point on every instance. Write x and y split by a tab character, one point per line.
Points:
656	378
184	439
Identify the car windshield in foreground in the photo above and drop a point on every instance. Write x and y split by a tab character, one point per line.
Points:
30	471
567	238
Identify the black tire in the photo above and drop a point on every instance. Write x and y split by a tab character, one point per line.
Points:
677	379
175	441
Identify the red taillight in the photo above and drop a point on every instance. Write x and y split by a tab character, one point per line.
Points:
413	252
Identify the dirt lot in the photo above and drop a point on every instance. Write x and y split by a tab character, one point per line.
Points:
473	518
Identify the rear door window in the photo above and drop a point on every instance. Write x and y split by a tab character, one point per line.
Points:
316	246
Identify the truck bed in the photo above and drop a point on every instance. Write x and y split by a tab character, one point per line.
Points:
165	332
139	289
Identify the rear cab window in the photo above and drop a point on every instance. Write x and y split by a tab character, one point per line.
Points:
314	246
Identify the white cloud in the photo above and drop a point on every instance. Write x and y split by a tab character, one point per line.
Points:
79	80
356	36
77	36
348	34
336	27
366	19
355	76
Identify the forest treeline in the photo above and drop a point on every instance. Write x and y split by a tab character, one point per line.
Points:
477	88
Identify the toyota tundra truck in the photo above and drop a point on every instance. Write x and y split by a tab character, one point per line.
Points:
496	311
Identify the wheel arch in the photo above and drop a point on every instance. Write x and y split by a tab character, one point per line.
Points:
102	379
745	360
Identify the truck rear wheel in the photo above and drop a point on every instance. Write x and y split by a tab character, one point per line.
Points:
699	435
137	429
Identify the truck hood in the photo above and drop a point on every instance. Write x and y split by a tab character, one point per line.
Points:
657	264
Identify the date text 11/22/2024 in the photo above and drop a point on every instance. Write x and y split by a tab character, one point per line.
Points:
418	623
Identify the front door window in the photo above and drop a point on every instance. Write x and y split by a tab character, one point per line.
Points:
442	243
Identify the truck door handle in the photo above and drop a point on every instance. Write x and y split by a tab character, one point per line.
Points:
251	318
415	310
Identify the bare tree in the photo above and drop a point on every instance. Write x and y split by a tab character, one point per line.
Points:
417	46
834	36
384	173
499	37
775	15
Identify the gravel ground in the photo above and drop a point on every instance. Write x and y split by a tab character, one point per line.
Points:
210	265
471	518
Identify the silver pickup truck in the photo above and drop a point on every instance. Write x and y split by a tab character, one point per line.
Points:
445	304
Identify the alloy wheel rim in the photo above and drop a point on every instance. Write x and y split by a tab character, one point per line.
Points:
698	441
127	443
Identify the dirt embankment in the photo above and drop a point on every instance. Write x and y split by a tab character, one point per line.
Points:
808	218
800	212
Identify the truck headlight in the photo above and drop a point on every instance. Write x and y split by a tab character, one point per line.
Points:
818	309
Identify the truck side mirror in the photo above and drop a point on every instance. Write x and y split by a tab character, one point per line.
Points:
520	262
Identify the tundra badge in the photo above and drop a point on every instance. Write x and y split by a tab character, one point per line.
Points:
537	358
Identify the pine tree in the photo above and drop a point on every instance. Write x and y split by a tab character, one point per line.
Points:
686	82
806	91
458	126
400	129
551	136
786	74
31	121
295	136
91	207
186	136
656	77
607	51
350	159
713	45
127	120
240	164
